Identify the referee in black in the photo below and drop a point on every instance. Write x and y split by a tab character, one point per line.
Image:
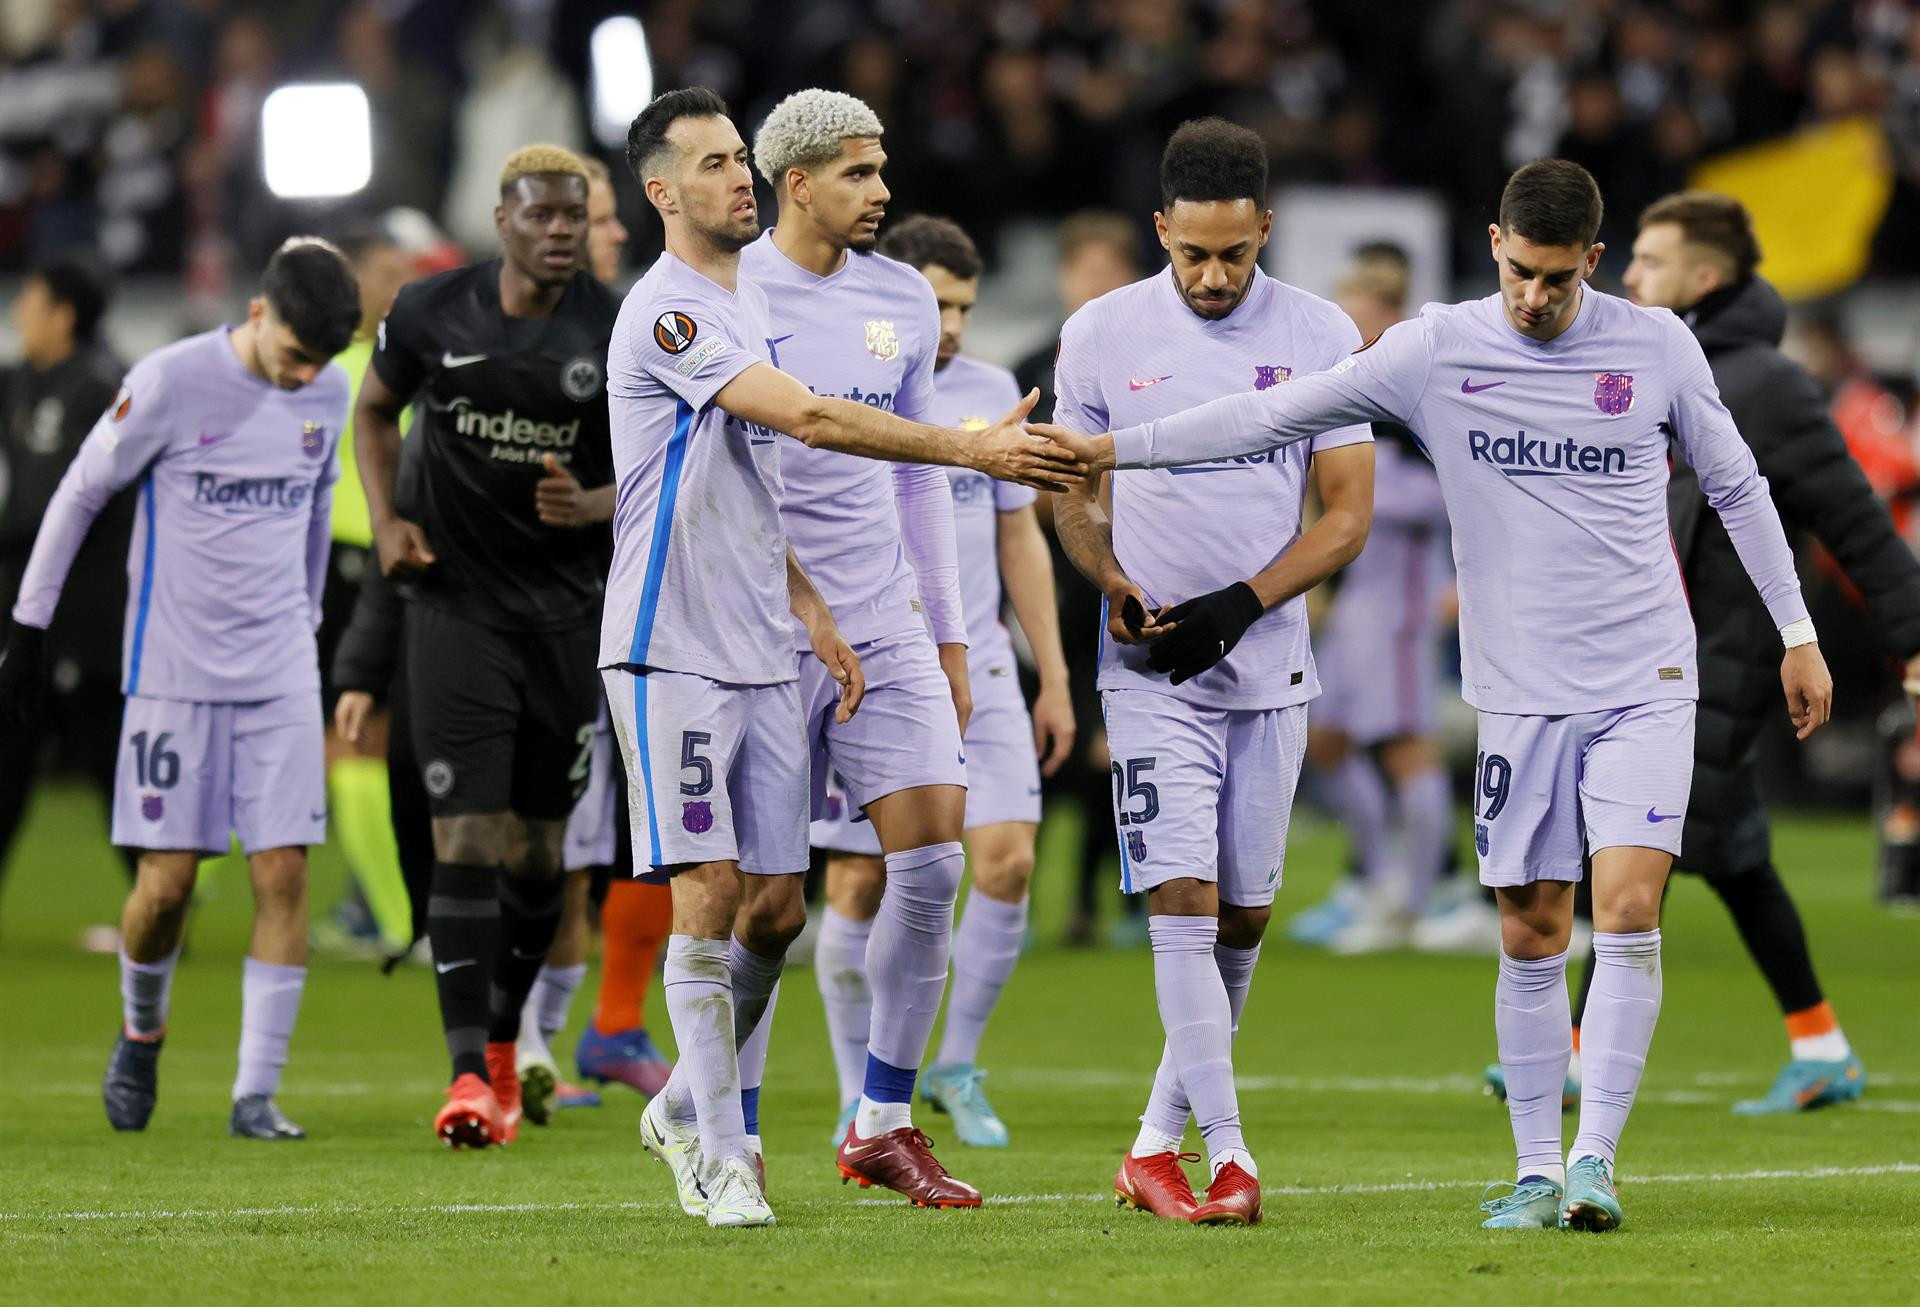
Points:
505	363
1696	254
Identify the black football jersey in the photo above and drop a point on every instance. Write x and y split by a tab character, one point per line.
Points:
492	396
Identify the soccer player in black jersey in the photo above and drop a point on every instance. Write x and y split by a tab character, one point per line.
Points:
505	364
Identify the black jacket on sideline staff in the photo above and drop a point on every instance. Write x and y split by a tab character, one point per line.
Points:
44	417
1820	491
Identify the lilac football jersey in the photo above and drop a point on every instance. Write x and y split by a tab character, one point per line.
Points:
1406	562
231	529
1552	456
1140	353
699	576
867	332
970	394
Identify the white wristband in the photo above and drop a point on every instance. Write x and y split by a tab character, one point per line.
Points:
1795	634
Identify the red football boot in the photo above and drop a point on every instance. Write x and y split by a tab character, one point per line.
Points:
1156	1184
1232	1199
505	1076
471	1117
902	1160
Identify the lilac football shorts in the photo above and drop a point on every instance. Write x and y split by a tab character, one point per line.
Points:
1379	675
591	828
1003	772
1203	792
1548	789
191	775
716	773
905	734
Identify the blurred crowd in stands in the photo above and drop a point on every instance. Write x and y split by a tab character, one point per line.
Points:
132	125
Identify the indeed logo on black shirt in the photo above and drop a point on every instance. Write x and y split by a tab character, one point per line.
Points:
508	430
1523	456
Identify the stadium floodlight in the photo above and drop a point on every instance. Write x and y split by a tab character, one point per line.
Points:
316	140
622	77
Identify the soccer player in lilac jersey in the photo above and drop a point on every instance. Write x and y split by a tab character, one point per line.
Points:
697	639
1373	737
1007	750
1204	569
879	542
232	437
1549	410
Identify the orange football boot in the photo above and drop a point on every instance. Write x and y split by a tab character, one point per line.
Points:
505	1075
471	1118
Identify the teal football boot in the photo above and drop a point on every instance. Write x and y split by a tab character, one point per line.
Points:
1533	1204
956	1090
1802	1086
1590	1203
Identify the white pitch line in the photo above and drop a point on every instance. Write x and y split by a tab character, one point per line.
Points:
995	1200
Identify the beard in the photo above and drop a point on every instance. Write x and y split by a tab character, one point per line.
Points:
730	235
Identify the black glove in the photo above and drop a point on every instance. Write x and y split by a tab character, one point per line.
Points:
23	674
1133	615
1207	629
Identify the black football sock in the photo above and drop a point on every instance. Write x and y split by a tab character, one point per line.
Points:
529	916
1769	923
463	925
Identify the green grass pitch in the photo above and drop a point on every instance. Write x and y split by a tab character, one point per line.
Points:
1360	1092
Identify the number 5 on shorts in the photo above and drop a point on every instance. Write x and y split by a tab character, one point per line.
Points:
691	759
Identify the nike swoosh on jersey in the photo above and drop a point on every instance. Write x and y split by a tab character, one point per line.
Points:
452	360
444	967
1468	388
206	439
1663	816
1136	383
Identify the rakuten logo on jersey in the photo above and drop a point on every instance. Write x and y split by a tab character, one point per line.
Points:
1521	455
252	494
515	439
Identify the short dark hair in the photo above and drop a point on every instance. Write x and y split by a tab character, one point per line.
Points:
310	287
75	283
924	240
359	243
1719	222
1213	159
647	135
1552	202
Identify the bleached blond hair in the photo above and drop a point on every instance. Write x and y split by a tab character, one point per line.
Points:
531	160
807	128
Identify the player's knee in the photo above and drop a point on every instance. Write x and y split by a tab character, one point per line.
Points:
1628	911
472	839
854	886
280	878
1004	873
1243	928
166	893
769	923
1532	936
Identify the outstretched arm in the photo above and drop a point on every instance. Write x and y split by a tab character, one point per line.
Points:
1378	383
768	397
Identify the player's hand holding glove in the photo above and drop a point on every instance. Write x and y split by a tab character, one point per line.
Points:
1205	629
23	674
